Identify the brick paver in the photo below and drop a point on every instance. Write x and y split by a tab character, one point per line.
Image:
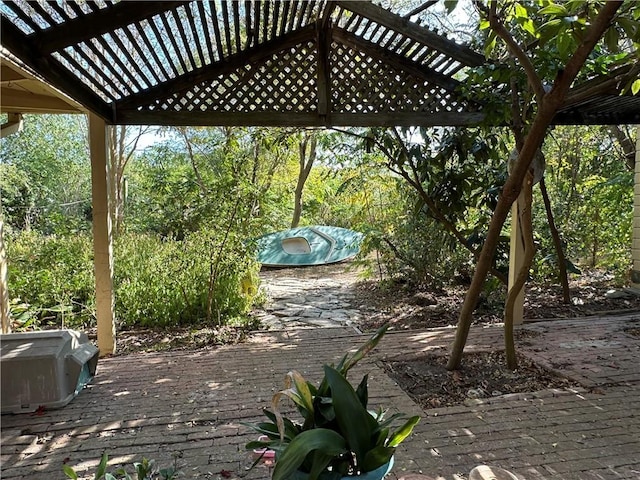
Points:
192	404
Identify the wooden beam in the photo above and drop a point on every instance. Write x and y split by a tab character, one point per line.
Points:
102	237
395	60
408	119
604	110
414	31
82	28
218	119
325	20
291	119
51	70
14	100
8	75
227	65
608	84
323	42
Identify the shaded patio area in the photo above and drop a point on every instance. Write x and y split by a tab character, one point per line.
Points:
191	405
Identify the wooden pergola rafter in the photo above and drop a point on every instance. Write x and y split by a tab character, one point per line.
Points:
313	63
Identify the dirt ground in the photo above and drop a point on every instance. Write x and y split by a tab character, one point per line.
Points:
483	374
425	378
410	308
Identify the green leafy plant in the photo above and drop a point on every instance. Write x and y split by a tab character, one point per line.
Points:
53	276
338	436
144	470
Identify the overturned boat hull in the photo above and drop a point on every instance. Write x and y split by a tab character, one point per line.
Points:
306	246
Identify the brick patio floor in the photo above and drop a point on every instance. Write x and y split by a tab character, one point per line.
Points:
192	405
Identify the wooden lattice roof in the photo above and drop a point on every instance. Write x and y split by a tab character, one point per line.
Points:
243	62
599	102
253	62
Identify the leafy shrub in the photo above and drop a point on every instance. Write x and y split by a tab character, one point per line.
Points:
163	282
417	250
144	470
53	276
157	282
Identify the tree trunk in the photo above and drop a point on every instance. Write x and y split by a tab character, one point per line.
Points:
307	157
415	182
120	153
627	145
547	108
562	262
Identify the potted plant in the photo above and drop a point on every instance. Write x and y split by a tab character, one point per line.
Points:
337	436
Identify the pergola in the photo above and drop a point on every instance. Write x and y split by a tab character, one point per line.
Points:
254	62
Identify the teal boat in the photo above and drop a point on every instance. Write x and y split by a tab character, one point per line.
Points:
305	246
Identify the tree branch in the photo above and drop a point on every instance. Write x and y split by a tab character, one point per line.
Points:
500	30
433	208
602	21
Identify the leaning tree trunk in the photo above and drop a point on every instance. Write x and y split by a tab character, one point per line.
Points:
562	262
549	103
306	162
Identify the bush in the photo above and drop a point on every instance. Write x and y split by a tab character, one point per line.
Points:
53	275
157	282
418	251
163	282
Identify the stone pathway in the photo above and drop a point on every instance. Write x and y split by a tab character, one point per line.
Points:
309	297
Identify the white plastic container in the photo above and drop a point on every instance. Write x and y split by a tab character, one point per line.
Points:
44	369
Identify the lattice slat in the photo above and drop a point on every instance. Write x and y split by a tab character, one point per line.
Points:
361	84
286	82
206	36
160	45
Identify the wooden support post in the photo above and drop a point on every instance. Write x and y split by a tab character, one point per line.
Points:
635	249
516	258
102	238
14	124
4	287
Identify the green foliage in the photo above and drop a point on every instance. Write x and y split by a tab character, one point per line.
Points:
163	198
592	197
18	201
415	248
558	28
144	470
23	316
548	33
45	175
53	276
338	436
450	180
157	282
199	175
164	282
193	206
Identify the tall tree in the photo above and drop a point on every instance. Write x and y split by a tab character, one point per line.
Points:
452	172
49	160
307	149
545	102
625	139
123	142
